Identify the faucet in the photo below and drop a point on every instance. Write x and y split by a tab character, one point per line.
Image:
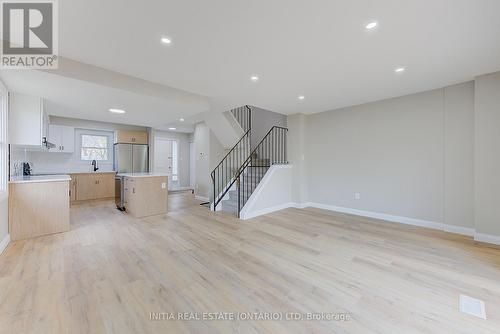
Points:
94	163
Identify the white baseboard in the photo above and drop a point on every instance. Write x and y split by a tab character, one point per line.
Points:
253	214
488	238
376	215
460	230
4	243
202	198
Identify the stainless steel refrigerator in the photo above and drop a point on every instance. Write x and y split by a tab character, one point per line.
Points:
128	158
131	158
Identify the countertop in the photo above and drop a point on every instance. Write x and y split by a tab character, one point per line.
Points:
73	172
39	178
142	174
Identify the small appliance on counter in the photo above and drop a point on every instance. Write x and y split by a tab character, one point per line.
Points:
27	168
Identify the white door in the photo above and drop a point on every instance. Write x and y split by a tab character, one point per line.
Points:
192	166
166	160
163	156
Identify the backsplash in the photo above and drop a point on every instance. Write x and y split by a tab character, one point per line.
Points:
47	162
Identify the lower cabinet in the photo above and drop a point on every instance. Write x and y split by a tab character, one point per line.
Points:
38	208
146	196
90	186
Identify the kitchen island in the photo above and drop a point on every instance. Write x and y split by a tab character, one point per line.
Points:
144	194
38	205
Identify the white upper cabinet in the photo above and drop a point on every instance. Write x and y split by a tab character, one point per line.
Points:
63	137
26	120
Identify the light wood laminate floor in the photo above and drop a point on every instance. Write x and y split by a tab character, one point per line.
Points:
111	271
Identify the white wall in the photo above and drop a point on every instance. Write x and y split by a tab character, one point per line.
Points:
45	162
183	153
4	222
273	193
209	151
487	154
202	145
4	199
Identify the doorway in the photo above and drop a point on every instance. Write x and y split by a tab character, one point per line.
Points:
166	160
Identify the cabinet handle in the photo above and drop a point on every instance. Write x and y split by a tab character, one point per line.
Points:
63	147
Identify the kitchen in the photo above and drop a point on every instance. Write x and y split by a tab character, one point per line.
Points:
58	161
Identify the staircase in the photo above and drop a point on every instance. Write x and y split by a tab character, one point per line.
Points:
240	172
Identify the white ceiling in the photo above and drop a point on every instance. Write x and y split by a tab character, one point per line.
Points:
82	91
318	48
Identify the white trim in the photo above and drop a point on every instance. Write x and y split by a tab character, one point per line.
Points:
265	211
488	238
459	230
202	198
382	216
4	243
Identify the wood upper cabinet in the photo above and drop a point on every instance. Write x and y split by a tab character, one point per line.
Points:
94	186
131	137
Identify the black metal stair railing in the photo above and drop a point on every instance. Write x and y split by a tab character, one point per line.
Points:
243	116
271	150
224	174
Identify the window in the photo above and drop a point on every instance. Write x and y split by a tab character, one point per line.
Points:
3	138
94	147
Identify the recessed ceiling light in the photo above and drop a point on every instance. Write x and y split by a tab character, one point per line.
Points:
400	69
254	78
371	25
182	119
117	111
301	97
166	40
172	128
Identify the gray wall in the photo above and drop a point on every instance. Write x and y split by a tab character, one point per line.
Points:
391	152
409	156
459	155
262	121
487	154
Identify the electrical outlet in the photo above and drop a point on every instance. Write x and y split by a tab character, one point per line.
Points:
357	196
163	185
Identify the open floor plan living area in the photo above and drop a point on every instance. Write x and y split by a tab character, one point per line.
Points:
250	166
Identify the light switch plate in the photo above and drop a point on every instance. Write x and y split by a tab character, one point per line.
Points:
163	185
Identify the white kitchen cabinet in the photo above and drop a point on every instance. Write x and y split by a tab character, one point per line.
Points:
63	137
27	120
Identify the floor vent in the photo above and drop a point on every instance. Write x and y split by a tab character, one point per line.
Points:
472	306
